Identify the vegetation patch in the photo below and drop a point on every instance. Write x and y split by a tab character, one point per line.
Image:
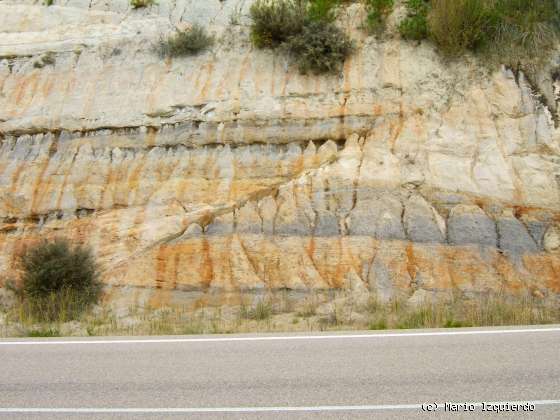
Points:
284	312
304	29
274	21
188	42
47	59
459	25
377	12
138	4
518	33
319	48
415	25
47	332
260	312
323	10
59	281
525	32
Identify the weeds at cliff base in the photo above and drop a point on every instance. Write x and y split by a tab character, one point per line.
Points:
59	281
47	332
260	312
281	313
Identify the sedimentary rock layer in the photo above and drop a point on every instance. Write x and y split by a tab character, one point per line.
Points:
230	171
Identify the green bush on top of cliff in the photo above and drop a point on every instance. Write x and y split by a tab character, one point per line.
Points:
59	281
523	33
304	29
459	25
518	33
188	42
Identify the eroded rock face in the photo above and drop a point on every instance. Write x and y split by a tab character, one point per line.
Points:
229	171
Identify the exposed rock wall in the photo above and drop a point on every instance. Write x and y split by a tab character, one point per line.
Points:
229	171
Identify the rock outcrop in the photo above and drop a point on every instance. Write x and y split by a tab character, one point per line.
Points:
229	171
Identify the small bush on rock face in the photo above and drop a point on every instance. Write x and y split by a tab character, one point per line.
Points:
188	42
304	29
377	12
319	48
137	4
274	21
415	25
58	277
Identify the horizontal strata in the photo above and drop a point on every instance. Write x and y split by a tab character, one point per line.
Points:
323	229
321	189
190	260
383	215
320	201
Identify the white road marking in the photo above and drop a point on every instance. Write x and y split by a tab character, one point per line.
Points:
279	338
385	407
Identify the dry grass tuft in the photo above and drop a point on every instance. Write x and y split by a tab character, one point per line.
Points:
279	313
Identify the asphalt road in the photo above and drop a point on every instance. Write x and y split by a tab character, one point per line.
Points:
382	375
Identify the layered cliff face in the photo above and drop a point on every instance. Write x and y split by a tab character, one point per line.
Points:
231	172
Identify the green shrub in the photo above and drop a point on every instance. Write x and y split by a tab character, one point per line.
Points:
49	332
459	25
274	21
59	280
322	10
380	324
377	12
137	4
415	25
304	29
260	312
524	31
319	48
512	32
188	42
414	28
